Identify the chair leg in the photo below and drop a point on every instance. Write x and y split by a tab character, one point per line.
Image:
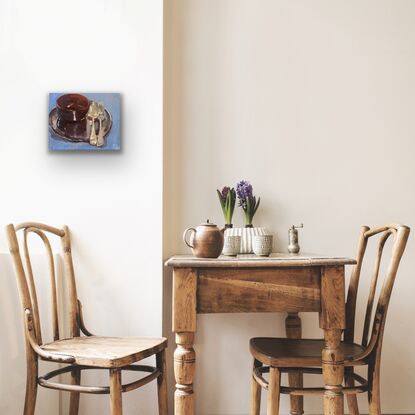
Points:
273	403
162	383
293	331
296	402
31	386
351	398
74	400
115	392
255	392
374	389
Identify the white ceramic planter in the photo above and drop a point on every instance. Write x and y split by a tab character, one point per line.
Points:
247	237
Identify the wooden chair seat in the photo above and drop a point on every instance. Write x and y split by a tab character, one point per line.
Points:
106	352
283	352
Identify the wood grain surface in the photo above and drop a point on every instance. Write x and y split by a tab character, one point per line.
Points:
258	290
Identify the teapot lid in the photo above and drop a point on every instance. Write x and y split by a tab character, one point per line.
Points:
207	223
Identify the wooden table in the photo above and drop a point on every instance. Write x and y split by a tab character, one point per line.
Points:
282	282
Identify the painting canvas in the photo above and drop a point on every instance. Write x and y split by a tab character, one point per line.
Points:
84	121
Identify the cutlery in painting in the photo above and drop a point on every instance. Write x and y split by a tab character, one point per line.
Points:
101	118
93	115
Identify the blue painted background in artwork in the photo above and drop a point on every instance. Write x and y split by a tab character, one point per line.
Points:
112	104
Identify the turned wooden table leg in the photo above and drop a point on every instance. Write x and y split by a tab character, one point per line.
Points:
184	326
184	371
333	373
293	331
332	321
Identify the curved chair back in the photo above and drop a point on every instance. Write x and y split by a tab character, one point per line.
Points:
373	328
26	281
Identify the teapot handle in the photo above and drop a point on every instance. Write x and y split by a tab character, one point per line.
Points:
185	236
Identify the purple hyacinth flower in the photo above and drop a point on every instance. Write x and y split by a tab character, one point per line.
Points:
225	192
244	192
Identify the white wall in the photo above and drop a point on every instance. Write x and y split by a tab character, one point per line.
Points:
112	202
312	102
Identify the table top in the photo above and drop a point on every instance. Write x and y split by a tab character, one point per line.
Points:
254	261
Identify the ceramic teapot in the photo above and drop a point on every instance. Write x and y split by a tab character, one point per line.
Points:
206	240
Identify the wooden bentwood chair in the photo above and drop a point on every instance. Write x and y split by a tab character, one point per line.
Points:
80	353
281	355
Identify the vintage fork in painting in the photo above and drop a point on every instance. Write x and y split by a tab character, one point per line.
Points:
92	115
101	117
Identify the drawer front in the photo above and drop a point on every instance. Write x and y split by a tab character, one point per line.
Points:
241	290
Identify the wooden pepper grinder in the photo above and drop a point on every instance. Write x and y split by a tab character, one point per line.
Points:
293	246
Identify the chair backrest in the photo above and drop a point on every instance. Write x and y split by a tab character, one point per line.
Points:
26	280
373	328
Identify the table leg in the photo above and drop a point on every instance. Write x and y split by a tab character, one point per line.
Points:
184	370
333	373
293	331
184	327
332	321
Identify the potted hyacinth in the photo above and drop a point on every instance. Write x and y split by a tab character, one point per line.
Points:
227	199
249	204
247	201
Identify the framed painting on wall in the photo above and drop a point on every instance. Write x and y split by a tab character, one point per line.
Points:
85	122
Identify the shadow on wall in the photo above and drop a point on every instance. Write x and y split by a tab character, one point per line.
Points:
12	349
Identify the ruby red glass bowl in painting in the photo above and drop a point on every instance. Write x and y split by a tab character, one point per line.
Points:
72	107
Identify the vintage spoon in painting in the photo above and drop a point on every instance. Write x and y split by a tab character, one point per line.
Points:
93	114
101	118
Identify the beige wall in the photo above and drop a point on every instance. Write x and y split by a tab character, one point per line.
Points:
312	101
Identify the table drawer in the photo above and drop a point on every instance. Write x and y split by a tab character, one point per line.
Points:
221	290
